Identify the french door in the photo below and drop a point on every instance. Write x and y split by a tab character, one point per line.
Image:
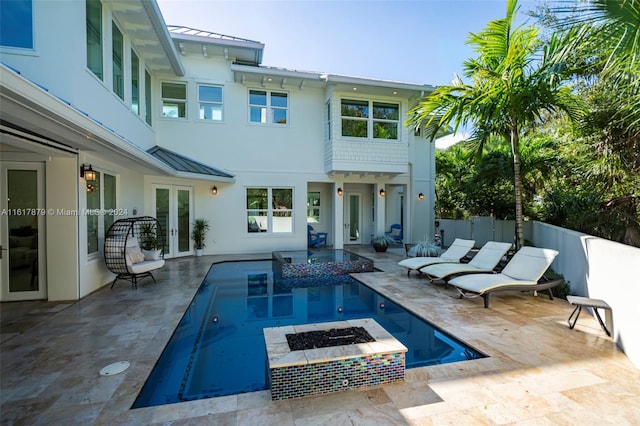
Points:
22	231
173	206
352	218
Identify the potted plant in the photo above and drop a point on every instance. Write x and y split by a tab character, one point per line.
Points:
424	249
199	233
149	242
381	242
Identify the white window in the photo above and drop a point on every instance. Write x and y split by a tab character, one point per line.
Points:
117	47
268	107
135	83
101	196
358	122
269	210
313	207
94	36
210	102
147	97
174	100
16	24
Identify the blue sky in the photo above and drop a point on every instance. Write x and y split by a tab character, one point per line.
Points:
410	41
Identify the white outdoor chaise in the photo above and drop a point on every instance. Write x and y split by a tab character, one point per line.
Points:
458	249
485	261
523	273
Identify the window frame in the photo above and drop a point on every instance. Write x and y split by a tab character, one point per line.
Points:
7	27
135	78
269	107
270	210
369	116
100	220
98	54
207	102
177	101
117	69
318	207
148	99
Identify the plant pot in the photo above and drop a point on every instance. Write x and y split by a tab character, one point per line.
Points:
379	246
198	252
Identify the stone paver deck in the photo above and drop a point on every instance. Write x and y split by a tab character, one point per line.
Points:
539	371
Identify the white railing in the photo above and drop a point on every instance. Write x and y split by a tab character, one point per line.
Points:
593	267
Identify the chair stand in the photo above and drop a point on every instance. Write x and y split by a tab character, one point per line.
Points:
134	278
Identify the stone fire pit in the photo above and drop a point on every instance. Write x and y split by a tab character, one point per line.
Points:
339	365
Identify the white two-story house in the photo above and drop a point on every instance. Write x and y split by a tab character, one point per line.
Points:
183	124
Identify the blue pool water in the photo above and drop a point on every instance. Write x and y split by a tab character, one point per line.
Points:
218	347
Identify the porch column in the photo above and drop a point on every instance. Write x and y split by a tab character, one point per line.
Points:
338	215
381	213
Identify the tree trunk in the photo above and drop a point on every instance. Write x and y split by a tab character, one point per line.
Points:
517	184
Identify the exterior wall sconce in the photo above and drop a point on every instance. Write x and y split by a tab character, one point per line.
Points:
214	190
382	193
339	191
87	173
421	196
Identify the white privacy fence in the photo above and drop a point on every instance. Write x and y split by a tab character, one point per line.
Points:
593	267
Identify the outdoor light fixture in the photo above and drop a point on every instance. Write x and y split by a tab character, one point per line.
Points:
87	173
382	193
421	196
339	192
214	190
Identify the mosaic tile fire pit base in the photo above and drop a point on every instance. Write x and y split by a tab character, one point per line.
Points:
294	374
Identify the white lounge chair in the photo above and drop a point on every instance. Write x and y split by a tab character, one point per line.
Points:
458	249
485	260
522	273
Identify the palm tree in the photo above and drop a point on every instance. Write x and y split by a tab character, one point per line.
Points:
607	42
515	80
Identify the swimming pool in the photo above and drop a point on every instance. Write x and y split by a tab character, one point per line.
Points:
218	347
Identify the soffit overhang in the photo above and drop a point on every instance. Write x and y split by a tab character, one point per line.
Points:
143	23
189	41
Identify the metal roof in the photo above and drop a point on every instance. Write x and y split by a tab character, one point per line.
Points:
183	164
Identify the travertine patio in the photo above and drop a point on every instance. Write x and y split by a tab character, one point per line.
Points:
539	371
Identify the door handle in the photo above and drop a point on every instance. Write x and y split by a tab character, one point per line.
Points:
1	249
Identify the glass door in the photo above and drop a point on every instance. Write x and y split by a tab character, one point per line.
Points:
352	219
22	224
173	208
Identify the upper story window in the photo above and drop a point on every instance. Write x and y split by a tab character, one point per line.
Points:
210	102
358	122
385	120
268	107
117	47
94	37
328	122
174	100
16	24
135	83
147	97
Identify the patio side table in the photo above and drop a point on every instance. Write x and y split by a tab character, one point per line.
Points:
596	304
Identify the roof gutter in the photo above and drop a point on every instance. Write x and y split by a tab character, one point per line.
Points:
160	27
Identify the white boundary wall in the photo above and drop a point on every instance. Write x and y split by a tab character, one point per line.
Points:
592	266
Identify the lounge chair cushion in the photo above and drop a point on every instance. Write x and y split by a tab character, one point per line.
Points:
481	283
456	251
529	263
419	262
525	268
485	260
